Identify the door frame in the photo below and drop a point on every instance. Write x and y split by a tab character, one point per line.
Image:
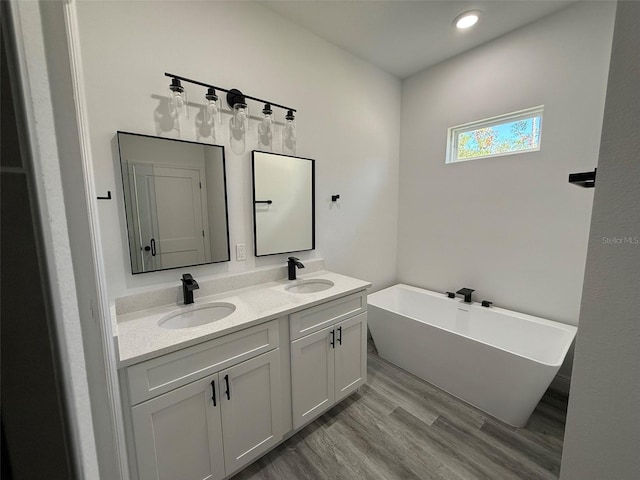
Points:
102	310
26	23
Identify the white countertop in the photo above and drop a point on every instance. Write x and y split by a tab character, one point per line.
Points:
140	338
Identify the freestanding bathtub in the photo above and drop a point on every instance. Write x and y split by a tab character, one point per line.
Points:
497	360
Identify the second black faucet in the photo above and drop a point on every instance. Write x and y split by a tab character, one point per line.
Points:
188	286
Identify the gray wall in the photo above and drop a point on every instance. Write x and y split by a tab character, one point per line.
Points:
511	227
32	399
53	139
602	438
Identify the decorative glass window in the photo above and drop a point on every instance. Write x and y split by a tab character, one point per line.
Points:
516	132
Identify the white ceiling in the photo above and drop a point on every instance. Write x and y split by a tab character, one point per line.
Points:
404	37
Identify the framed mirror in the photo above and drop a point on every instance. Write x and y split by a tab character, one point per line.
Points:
283	203
175	197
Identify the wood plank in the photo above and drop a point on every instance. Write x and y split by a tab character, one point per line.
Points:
400	427
516	464
437	401
547	458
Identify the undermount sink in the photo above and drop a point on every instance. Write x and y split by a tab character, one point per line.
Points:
309	286
196	316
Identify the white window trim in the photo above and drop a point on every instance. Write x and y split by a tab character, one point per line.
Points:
453	133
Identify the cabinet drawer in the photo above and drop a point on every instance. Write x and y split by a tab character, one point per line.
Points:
321	316
160	375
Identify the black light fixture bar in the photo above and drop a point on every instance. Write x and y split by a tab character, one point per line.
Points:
208	85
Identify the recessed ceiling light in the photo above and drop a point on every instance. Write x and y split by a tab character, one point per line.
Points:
467	19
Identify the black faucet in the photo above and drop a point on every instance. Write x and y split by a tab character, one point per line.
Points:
466	292
188	286
292	263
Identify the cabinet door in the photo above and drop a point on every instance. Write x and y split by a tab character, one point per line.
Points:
351	355
178	435
312	375
250	408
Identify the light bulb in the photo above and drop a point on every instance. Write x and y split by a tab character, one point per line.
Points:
213	107
177	99
238	126
265	128
289	134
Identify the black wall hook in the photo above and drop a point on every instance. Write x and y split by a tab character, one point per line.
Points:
584	179
108	197
334	198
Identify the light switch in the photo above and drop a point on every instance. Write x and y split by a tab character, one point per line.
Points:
241	252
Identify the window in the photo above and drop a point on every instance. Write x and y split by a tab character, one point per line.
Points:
516	132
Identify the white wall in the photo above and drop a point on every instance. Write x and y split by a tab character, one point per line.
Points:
511	227
348	121
602	438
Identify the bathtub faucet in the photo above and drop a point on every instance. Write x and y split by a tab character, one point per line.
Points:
466	292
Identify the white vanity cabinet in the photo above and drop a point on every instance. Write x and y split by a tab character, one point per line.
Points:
205	411
350	355
312	375
330	363
179	434
210	427
250	409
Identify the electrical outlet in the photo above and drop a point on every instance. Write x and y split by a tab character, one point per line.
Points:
241	252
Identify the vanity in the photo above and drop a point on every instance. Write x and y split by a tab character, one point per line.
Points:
210	383
203	399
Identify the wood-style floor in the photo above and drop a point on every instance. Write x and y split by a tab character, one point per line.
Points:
400	427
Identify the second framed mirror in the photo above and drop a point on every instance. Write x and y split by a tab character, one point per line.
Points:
283	203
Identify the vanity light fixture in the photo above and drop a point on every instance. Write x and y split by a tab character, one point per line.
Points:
265	128
289	134
467	19
239	122
177	99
